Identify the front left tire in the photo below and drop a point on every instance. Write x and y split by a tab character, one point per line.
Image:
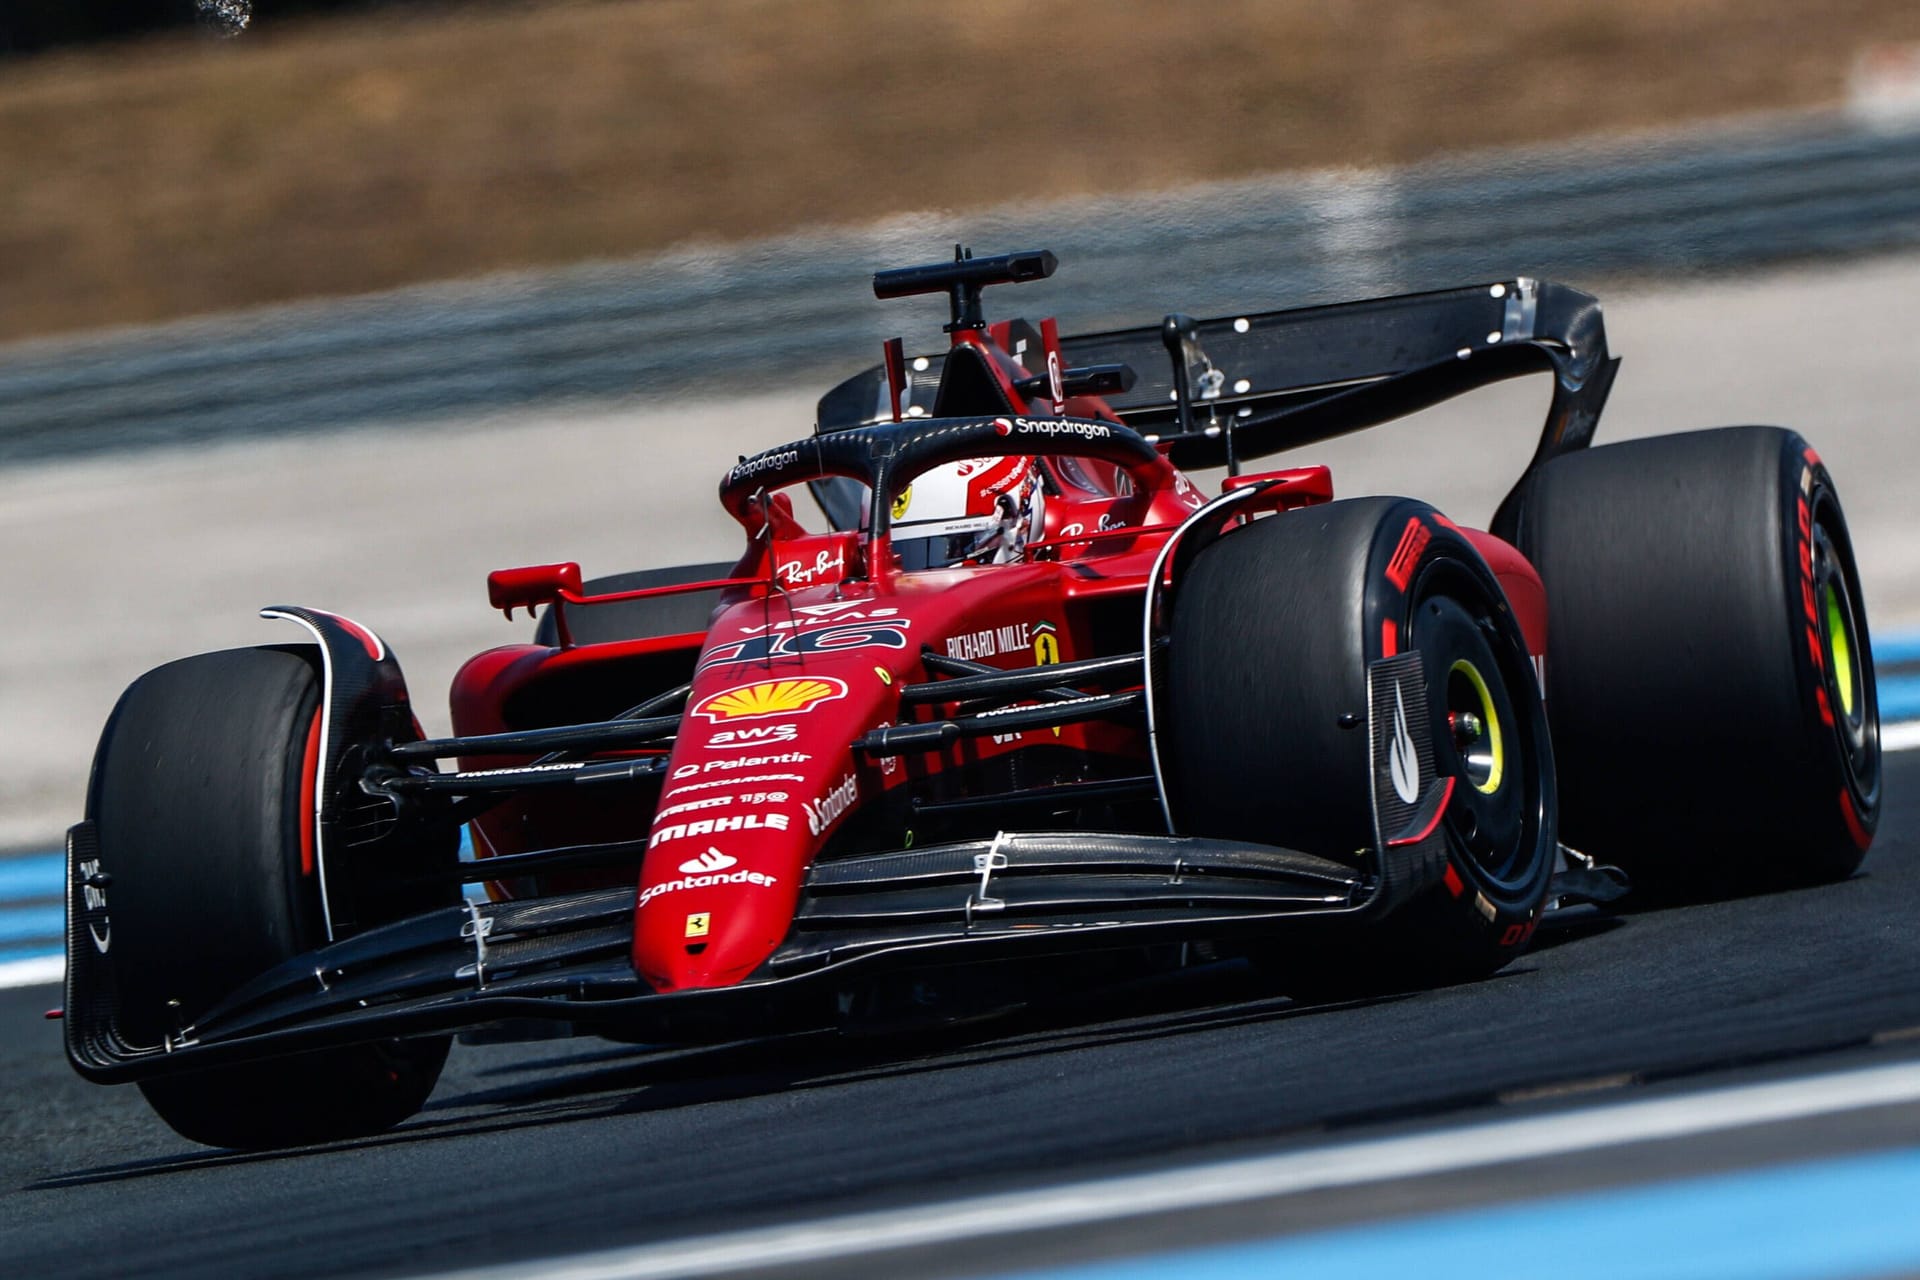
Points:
201	800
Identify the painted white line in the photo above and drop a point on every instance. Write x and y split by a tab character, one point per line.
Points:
1233	1181
1900	737
38	971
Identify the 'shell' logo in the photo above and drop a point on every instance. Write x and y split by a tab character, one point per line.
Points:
770	698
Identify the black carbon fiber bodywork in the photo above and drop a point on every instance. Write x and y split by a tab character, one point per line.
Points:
564	958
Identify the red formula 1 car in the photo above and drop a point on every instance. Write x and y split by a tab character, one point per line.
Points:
1028	708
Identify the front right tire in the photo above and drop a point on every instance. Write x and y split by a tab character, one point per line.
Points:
1276	628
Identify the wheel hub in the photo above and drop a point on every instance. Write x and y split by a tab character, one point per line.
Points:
1476	731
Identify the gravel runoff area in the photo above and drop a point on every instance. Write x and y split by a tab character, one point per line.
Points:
427	142
123	562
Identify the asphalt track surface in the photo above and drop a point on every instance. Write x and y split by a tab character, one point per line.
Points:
550	1148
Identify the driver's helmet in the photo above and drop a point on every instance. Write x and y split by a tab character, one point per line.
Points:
975	511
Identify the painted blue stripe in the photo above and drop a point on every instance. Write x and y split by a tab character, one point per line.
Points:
1899	699
19	924
35	951
43	875
1898	646
39	875
1825	1220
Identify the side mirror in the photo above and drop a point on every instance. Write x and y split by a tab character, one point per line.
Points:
532	586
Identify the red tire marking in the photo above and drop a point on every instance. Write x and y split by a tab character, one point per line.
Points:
1455	885
1389	638
1413	540
1813	459
1804	521
309	784
1826	711
1517	934
1859	833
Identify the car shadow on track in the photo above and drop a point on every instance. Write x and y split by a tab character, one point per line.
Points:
1215	997
616	1080
1589	923
631	1080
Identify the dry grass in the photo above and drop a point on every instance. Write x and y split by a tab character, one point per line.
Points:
179	176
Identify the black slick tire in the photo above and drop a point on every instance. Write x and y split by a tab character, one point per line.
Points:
1275	629
197	797
1709	672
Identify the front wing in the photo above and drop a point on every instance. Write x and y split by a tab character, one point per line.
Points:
565	959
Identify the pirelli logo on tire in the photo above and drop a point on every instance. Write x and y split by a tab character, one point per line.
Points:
1400	740
1413	540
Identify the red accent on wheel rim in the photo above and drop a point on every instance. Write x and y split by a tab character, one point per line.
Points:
1445	798
309	784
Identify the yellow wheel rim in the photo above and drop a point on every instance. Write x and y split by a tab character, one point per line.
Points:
1496	744
1840	649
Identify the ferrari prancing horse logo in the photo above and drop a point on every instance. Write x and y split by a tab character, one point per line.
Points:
1046	645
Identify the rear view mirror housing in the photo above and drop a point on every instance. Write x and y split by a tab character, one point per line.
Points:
531	586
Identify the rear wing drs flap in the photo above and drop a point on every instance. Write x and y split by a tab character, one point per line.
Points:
1220	391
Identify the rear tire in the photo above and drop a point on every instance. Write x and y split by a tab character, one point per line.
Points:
196	796
1275	629
1709	671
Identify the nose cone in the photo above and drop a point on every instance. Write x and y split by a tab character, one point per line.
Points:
760	772
710	919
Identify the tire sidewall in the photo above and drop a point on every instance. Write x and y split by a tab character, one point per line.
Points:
1686	663
1815	513
200	797
1276	628
1415	546
192	914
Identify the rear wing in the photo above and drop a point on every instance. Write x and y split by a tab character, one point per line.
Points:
1217	392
